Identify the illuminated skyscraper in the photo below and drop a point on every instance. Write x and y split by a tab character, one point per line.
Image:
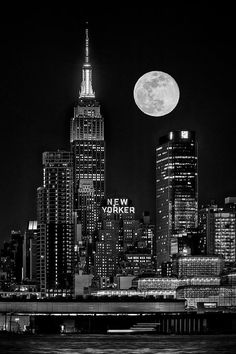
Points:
55	241
30	251
218	229
176	191
88	150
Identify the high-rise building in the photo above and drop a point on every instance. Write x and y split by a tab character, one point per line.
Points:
148	233
125	245
107	248
11	259
55	221
176	192
88	151
30	251
115	236
218	230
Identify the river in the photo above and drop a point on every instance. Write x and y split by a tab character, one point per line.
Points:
118	344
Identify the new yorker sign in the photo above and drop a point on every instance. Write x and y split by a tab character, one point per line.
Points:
118	206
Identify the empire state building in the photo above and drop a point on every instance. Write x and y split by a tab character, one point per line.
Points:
88	151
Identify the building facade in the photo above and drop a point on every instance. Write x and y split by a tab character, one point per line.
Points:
125	244
88	152
198	266
218	230
55	241
176	192
30	252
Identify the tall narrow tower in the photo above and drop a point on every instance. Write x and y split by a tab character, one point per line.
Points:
176	192
88	150
55	225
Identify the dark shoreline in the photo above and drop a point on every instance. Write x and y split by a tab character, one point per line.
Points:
107	335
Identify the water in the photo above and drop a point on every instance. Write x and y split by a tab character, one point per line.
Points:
118	344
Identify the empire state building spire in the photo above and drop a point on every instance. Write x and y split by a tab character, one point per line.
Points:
86	85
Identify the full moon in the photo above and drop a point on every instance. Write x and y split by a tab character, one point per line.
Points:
156	93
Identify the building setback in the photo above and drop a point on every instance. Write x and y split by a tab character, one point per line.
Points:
176	192
88	152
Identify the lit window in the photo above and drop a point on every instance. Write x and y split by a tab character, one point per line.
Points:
184	134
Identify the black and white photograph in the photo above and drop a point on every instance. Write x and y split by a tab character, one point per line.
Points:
118	178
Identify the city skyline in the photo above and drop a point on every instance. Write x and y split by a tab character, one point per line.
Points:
44	84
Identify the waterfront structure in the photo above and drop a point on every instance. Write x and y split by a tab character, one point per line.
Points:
176	192
124	282
134	294
55	241
145	284
30	252
88	153
198	266
218	230
151	283
208	297
173	283
92	307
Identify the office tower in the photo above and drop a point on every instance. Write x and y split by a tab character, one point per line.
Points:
148	233
176	192
88	151
30	251
218	227
206	228
55	225
107	248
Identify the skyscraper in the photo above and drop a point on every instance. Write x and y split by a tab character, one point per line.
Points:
218	229
88	151
55	225
176	191
30	251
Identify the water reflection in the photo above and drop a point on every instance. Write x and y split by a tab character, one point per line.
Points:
116	344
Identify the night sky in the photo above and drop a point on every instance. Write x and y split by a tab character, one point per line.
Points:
42	51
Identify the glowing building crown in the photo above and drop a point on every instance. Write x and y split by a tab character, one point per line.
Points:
86	90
